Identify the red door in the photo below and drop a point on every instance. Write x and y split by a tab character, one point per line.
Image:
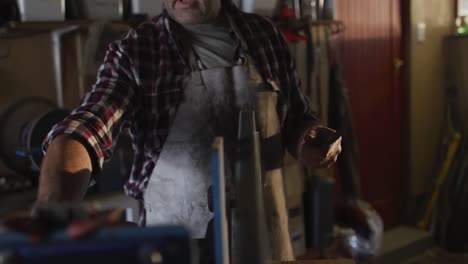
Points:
371	48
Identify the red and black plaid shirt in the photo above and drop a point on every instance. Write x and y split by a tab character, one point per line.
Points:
140	84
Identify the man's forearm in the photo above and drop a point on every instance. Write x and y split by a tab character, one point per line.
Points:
65	171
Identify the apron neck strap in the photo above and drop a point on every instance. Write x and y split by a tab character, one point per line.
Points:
196	63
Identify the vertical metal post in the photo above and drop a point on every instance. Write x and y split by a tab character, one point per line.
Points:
251	234
221	240
56	36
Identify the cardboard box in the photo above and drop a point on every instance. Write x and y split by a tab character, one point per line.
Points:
294	187
297	228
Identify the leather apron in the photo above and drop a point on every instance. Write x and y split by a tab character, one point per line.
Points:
177	192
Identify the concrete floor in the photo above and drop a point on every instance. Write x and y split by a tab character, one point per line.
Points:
438	256
403	243
409	245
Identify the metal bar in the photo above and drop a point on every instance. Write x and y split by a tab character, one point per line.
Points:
56	36
251	221
219	204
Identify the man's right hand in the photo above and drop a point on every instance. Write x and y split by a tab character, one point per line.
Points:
320	148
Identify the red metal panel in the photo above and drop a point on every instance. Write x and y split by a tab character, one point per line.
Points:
369	46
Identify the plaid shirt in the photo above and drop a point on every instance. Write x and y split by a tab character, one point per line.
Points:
140	84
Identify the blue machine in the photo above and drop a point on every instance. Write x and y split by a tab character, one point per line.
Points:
151	245
158	245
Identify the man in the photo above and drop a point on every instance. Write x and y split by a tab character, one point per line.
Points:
176	82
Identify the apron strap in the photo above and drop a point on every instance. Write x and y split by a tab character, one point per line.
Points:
195	61
272	152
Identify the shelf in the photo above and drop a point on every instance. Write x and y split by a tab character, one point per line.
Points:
26	29
301	24
325	22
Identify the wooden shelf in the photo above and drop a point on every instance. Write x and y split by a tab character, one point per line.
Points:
25	29
301	24
325	22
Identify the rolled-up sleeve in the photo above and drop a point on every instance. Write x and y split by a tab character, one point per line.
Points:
300	117
105	110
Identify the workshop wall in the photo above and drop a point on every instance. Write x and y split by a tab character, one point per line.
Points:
25	70
426	88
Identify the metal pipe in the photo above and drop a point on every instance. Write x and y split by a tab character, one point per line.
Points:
251	245
56	36
298	8
221	238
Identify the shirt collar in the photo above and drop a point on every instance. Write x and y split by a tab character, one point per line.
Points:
228	9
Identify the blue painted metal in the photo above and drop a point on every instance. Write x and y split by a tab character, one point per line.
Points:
111	245
221	240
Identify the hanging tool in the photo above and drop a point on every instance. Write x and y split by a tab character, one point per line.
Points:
453	147
352	213
454	140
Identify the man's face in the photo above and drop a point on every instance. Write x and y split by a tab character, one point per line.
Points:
192	11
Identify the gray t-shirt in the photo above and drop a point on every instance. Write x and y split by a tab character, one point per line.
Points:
213	43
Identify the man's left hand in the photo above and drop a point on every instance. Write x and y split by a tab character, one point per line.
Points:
320	148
